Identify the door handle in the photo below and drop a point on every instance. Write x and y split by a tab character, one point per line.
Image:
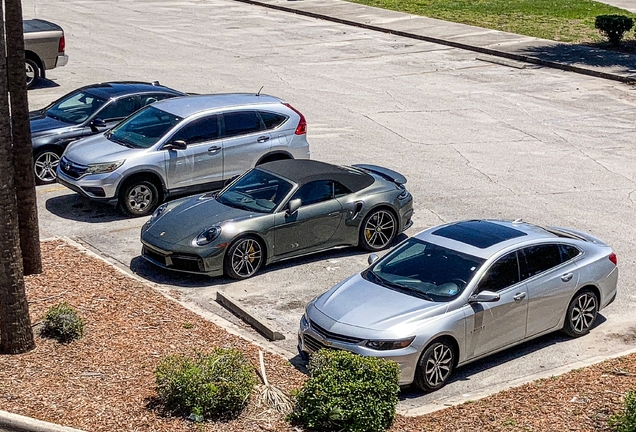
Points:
519	296
566	277
336	213
214	149
262	139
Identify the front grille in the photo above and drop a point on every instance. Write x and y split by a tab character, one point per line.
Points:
312	344
72	169
334	336
154	255
187	263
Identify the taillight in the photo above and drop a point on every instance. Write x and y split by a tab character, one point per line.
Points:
62	45
301	129
612	258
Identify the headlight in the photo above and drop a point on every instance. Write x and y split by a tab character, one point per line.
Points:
158	213
304	322
207	236
384	345
104	167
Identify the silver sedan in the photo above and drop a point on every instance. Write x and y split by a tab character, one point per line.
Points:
458	292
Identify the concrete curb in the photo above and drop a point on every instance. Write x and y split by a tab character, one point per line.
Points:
453	44
10	422
253	320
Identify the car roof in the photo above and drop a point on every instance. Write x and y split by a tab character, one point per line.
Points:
303	171
484	237
115	89
189	105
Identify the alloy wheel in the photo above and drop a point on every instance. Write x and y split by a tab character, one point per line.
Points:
139	198
246	258
584	312
45	166
30	74
379	229
438	365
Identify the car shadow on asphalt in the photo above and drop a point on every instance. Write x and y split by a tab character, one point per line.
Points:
43	83
81	209
159	275
465	373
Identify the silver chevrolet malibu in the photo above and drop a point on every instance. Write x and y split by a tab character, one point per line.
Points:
458	292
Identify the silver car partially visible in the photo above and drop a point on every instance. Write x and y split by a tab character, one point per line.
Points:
458	292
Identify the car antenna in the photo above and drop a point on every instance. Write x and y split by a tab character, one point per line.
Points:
258	93
517	221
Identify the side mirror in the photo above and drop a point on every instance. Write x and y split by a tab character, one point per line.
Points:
176	145
484	297
372	258
97	124
293	206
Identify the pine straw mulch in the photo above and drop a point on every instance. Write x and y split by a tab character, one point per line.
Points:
104	381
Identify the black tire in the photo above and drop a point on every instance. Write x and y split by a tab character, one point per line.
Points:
33	73
378	230
244	258
45	163
581	314
435	366
138	197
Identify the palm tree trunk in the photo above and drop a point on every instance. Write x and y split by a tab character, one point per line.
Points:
22	148
16	335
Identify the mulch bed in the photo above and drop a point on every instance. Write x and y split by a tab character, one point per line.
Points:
105	381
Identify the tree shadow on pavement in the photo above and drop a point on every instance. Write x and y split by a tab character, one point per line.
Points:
593	54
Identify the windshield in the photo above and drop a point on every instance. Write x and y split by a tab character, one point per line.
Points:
75	108
144	128
257	191
425	270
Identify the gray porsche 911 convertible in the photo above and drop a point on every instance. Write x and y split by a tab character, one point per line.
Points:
276	211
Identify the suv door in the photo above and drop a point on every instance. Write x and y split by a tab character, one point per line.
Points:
245	141
552	278
494	325
200	165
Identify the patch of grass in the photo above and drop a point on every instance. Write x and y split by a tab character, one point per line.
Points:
558	20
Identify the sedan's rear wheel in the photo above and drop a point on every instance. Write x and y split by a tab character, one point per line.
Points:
378	230
435	366
244	258
139	198
581	314
45	165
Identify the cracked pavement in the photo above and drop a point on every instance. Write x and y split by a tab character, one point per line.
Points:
475	140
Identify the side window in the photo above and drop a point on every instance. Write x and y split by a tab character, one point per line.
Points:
241	123
539	259
568	252
272	120
148	99
197	131
339	190
502	274
315	192
119	109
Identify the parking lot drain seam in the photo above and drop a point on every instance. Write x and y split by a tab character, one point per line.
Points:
459	45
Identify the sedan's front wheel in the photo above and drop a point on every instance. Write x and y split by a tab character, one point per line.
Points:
244	258
581	314
435	366
45	165
378	230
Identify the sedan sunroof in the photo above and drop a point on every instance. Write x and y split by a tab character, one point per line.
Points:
481	234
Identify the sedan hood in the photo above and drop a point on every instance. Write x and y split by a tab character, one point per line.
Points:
191	216
98	149
361	303
43	125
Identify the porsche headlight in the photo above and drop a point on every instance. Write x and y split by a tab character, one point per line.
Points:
161	210
106	167
385	345
207	236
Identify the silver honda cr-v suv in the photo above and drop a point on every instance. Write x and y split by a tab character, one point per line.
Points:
182	145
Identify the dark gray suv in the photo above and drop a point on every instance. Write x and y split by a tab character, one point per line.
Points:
182	145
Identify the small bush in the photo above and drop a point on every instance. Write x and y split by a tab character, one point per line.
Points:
209	386
348	392
626	422
61	322
613	27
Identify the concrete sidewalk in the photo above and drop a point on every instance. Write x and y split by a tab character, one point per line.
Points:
575	58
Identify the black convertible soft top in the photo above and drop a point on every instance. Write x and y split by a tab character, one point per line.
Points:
303	171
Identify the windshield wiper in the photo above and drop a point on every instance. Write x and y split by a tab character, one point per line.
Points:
121	141
399	287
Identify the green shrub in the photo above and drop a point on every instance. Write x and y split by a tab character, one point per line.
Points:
216	385
348	392
613	27
626	422
61	322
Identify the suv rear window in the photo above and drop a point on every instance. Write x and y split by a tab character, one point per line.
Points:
272	120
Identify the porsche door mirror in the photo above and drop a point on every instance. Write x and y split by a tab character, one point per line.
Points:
293	206
372	258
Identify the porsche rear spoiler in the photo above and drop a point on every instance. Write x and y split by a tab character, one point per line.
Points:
383	172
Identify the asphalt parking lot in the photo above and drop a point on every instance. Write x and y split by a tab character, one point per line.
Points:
474	139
